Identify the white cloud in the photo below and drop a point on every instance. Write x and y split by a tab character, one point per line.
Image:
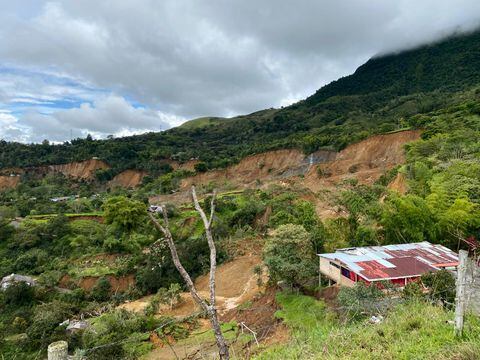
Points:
110	115
189	58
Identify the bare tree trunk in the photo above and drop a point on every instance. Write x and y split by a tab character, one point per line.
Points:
209	308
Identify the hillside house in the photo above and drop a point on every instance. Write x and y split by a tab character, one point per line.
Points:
399	264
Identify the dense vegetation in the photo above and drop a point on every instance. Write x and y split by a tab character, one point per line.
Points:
378	97
114	240
414	329
60	252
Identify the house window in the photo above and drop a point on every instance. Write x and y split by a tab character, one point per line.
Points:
345	272
335	265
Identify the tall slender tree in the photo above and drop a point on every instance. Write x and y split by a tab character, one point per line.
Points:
208	306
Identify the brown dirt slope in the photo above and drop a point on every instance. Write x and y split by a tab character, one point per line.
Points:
9	182
79	170
128	179
399	184
118	283
261	166
366	160
235	284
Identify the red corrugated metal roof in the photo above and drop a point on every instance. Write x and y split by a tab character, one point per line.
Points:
404	267
394	261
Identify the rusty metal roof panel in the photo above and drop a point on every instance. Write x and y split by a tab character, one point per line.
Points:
394	261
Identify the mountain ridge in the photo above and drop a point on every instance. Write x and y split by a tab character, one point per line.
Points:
380	96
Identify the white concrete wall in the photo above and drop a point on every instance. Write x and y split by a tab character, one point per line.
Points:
334	273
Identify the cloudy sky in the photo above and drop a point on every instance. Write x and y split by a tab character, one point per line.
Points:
110	67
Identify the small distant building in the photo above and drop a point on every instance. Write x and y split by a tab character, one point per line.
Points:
155	208
9	280
399	264
64	198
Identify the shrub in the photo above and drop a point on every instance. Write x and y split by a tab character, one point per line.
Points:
360	300
45	323
18	294
33	261
441	285
289	255
170	296
200	167
413	291
101	290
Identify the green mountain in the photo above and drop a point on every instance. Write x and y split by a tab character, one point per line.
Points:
202	122
382	95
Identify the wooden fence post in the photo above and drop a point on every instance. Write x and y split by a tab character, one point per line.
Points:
461	293
58	350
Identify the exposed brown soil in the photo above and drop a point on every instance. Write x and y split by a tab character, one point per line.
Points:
235	284
399	184
78	170
231	276
188	165
81	170
329	295
261	166
9	182
11	171
365	161
96	218
127	179
258	315
118	284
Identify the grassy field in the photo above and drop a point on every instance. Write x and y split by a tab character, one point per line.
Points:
202	122
414	330
48	216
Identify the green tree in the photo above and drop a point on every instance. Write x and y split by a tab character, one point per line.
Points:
407	219
441	286
200	167
360	300
289	255
459	220
123	213
101	290
170	296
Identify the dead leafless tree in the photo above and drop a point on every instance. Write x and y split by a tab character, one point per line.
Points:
209	307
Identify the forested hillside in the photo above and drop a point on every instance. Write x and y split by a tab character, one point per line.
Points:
101	278
381	96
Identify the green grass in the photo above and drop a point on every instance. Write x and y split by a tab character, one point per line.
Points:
202	122
229	331
45	216
95	271
412	331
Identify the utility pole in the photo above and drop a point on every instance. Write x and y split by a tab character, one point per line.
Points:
461	293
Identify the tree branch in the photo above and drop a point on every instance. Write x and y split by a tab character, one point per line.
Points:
211	244
176	260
